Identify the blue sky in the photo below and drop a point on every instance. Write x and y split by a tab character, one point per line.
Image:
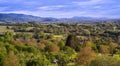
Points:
62	8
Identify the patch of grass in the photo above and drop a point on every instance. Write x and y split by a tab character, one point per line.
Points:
29	28
4	29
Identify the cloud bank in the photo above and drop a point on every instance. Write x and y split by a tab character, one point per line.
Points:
61	9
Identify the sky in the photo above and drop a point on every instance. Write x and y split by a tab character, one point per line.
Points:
63	8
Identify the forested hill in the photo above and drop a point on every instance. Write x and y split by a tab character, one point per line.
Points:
15	18
23	18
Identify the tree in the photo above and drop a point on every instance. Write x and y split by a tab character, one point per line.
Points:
3	53
31	42
7	36
72	41
61	44
119	40
68	55
106	61
45	42
11	60
41	47
112	47
85	56
86	32
38	62
52	48
88	43
104	49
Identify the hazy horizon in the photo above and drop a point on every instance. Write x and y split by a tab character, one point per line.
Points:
62	9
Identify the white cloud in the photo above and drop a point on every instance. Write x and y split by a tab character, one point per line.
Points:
89	2
51	7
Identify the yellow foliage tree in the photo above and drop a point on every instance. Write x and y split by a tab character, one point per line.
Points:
11	60
52	48
85	57
104	49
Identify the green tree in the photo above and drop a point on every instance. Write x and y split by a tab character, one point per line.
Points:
3	53
73	42
61	44
106	61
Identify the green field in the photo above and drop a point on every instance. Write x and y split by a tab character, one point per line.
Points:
4	29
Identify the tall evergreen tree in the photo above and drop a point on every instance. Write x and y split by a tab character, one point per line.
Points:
73	42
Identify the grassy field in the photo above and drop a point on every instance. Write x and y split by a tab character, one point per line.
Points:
29	28
59	37
4	29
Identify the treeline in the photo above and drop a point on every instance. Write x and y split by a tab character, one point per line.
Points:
78	45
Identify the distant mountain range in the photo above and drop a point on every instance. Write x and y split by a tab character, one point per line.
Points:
15	18
24	18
